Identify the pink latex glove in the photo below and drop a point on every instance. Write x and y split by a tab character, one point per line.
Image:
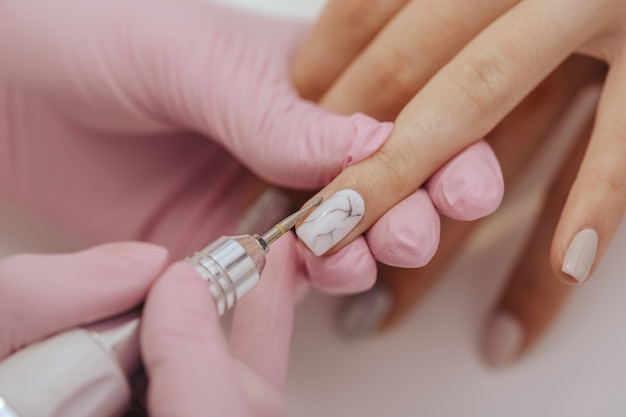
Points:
45	294
99	101
106	108
191	372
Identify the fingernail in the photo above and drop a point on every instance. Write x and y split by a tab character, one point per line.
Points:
503	339
363	313
580	255
332	221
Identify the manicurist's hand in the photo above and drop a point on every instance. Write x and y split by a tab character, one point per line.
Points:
191	369
388	56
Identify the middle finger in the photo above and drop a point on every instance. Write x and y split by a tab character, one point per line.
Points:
407	52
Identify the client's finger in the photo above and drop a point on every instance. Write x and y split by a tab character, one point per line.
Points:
410	49
463	102
343	29
516	140
533	297
596	203
44	294
184	350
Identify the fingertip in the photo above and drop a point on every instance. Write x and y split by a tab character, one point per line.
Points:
407	236
369	135
469	186
352	269
181	296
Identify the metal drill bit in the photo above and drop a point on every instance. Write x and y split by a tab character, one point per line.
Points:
281	228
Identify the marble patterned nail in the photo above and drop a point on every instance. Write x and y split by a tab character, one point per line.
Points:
328	224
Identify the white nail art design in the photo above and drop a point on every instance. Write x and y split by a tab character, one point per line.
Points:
332	221
581	254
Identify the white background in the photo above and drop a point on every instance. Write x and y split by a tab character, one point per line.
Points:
430	365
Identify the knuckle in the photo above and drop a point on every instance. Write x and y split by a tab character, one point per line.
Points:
358	13
393	167
393	69
483	82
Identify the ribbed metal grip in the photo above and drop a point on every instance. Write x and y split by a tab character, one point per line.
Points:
232	266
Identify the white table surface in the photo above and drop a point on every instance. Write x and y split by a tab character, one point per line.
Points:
430	365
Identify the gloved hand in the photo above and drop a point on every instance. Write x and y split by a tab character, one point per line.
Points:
191	372
103	109
106	108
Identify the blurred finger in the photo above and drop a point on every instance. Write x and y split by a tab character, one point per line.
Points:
596	203
44	294
184	350
261	329
532	297
343	29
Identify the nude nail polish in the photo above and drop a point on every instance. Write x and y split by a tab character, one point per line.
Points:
580	255
502	339
333	220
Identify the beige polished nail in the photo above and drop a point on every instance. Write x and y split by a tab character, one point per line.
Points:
580	255
503	339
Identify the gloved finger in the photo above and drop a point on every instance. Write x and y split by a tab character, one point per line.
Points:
184	350
261	329
470	185
341	32
350	270
533	297
597	200
407	235
264	398
44	294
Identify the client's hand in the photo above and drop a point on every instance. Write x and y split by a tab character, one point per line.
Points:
389	56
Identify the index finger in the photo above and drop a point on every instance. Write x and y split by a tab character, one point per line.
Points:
460	104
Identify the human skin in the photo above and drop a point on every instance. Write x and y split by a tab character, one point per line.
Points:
390	50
